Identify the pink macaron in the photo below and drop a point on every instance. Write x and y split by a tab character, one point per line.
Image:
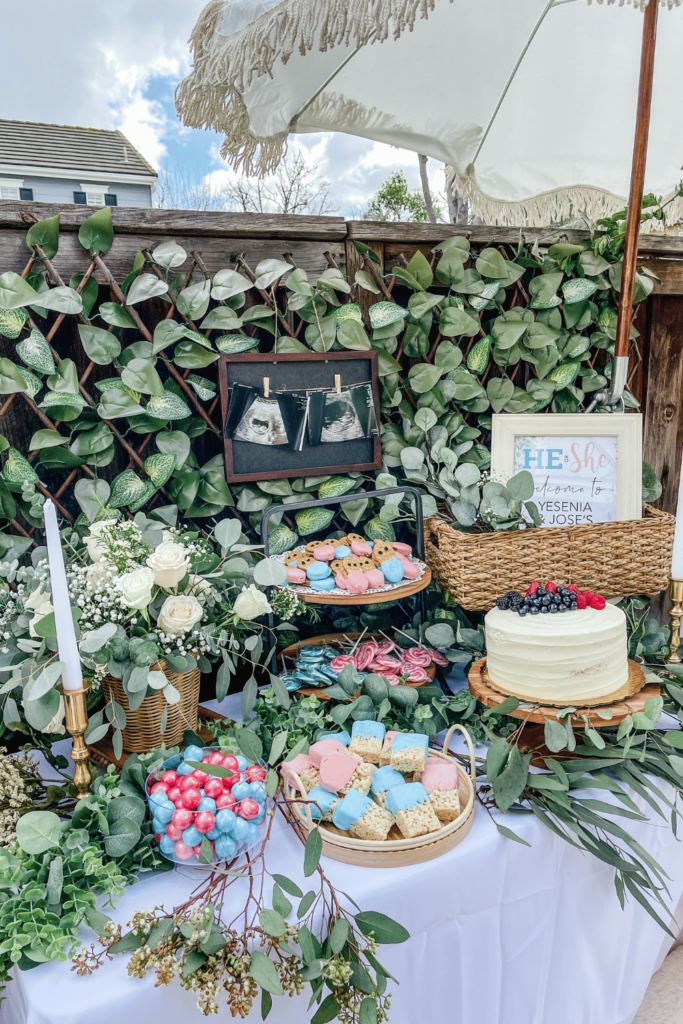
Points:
324	553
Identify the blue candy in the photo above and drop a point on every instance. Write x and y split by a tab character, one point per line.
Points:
225	847
393	570
214	834
193	753
184	769
242	762
240	829
256	792
326	584
158	826
318	571
206	804
225	820
191	836
253	833
241	790
167	845
164	813
343	552
159	798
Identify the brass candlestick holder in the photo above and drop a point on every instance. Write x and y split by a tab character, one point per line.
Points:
675	611
76	723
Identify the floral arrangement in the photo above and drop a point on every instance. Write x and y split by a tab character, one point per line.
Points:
145	593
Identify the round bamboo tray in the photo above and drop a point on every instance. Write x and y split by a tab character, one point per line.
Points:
333	639
623	702
143	726
395	851
631	556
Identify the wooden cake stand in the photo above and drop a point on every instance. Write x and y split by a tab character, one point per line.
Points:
335	640
623	702
374	597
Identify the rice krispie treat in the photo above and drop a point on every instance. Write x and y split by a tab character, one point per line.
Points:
304	768
441	785
409	752
366	740
326	803
382	781
361	779
385	756
414	814
357	814
317	751
341	737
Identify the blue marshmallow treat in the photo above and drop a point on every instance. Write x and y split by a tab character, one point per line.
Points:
393	570
368	730
384	779
325	801
409	752
366	740
414	813
341	737
351	809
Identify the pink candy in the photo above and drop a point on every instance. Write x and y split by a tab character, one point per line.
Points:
391	679
341	661
360	549
295	575
417	674
418	656
357	582
324	553
438	658
386	647
247	809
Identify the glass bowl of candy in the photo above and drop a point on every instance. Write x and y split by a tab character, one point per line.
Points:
188	804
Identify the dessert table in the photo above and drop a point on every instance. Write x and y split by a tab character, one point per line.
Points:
499	933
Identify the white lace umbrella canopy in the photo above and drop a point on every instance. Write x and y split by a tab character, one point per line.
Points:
531	103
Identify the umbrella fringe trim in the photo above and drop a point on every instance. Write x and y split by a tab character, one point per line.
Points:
211	95
575	206
641	4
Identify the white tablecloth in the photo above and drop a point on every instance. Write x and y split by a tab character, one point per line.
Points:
500	934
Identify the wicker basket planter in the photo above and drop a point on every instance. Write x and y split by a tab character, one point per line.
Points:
613	559
143	726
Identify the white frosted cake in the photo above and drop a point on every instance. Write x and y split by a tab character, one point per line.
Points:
557	659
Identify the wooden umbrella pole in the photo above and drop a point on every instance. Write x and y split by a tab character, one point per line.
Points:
635	199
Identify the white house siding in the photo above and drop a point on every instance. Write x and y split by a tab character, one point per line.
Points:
61	190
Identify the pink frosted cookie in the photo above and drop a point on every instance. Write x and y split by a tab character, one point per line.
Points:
402	549
295	575
375	578
411	570
356	582
336	771
360	549
324	553
329	746
441	783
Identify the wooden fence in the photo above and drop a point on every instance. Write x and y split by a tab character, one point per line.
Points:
217	240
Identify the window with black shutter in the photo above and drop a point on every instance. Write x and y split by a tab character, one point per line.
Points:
110	200
26	193
79	197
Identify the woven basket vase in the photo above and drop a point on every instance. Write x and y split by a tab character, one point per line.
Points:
143	726
613	559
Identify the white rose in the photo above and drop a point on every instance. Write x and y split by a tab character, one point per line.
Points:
179	614
94	543
251	603
199	588
40	613
169	563
136	587
56	724
37	598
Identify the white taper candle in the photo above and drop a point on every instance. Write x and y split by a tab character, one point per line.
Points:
72	676
677	557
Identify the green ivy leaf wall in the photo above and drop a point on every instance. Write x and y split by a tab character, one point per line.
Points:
121	385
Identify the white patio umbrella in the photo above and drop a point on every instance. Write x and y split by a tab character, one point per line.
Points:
531	103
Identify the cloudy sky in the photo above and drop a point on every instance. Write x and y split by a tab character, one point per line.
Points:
116	65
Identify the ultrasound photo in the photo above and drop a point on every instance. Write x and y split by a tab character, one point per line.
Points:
262	423
340	419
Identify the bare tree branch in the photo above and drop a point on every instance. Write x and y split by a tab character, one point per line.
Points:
422	160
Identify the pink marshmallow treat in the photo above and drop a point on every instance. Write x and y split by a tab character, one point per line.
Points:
298	764
295	575
440	776
329	746
336	771
324	553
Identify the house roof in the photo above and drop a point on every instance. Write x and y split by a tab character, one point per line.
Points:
60	145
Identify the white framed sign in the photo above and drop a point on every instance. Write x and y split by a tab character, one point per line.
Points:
587	468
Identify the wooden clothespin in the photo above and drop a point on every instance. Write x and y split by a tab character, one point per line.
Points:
266	387
337	383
